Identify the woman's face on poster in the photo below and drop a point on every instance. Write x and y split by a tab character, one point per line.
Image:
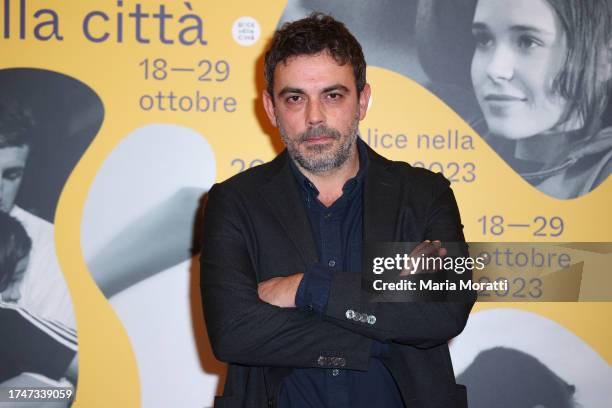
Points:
520	49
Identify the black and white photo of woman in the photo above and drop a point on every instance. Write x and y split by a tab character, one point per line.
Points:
541	73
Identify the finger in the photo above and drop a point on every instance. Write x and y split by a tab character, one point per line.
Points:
431	249
439	249
420	248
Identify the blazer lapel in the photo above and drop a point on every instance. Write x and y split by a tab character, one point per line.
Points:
381	202
381	212
281	194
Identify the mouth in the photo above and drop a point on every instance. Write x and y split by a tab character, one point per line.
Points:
318	139
503	99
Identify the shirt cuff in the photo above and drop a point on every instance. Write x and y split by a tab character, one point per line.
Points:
313	291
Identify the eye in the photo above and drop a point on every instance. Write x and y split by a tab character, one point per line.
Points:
528	41
13	174
482	39
334	97
293	99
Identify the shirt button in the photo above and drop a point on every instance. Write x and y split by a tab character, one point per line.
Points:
335	372
331	263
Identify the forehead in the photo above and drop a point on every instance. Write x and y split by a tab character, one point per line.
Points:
13	156
501	14
312	72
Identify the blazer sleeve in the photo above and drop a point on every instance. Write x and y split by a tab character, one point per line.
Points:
245	330
421	324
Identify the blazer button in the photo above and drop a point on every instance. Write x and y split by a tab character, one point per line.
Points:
350	314
371	319
338	362
363	317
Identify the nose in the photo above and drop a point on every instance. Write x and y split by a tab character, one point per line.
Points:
12	294
314	113
501	65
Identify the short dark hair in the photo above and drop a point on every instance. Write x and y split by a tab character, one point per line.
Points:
588	29
16	124
15	245
312	35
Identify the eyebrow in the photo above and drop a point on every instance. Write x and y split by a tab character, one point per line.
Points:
336	87
528	28
518	27
287	90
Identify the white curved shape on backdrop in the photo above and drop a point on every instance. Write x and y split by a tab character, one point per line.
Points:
562	351
145	169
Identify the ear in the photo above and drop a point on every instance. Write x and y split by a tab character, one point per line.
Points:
269	107
364	100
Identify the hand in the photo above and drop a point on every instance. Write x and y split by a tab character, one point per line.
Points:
280	291
426	249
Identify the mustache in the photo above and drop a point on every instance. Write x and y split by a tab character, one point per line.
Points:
318	132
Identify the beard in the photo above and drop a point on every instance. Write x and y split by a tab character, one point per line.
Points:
321	157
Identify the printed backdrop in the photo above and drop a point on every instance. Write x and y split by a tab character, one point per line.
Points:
176	86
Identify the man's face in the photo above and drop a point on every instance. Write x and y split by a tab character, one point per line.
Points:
317	110
12	163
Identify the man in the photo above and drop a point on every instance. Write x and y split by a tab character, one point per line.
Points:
283	241
42	289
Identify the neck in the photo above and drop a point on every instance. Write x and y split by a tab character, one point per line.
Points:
330	183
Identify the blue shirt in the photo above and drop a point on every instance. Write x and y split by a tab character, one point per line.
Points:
338	236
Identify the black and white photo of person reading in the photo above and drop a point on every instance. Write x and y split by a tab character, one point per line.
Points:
34	351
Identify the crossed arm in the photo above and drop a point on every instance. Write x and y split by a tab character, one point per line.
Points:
409	322
255	323
245	330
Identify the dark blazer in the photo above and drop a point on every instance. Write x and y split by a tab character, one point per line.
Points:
256	228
